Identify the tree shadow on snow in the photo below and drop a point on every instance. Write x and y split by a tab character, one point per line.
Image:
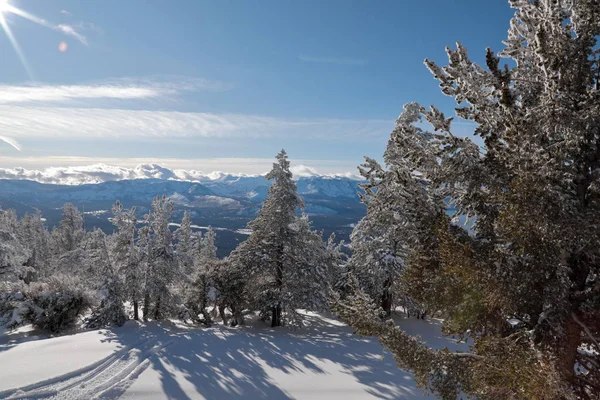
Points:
227	363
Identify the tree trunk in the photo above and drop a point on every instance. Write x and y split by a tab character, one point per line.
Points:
238	318
136	313
157	309
276	310
276	316
567	352
146	309
386	299
386	304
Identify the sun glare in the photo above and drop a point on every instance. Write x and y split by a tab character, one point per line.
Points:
4	6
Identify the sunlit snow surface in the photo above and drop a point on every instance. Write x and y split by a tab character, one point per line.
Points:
324	360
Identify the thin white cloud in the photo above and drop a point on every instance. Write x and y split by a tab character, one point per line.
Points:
332	60
171	84
123	89
65	12
94	123
70	30
47	93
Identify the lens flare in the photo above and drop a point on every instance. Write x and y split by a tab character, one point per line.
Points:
4	6
6	9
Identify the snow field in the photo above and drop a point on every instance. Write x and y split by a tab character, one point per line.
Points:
323	360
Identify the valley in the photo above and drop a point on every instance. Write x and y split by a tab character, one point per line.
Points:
225	202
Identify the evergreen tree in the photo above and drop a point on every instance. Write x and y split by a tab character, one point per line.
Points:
379	240
522	282
34	236
276	253
126	255
337	274
67	243
9	220
110	310
204	269
161	262
309	261
143	245
230	280
184	248
71	231
208	249
13	254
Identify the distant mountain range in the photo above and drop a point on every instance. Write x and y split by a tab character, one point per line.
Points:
224	201
99	173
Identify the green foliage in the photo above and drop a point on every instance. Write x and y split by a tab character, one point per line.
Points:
444	373
521	280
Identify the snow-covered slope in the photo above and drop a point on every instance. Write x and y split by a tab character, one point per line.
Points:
162	361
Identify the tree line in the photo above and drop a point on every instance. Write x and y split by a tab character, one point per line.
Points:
145	270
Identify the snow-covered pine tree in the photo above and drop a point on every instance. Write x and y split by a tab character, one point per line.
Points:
67	244
394	199
276	254
230	280
523	283
204	269
97	262
13	254
34	236
265	252
208	249
9	220
110	311
126	255
306	279
71	231
337	274
184	248
53	304
162	264
143	246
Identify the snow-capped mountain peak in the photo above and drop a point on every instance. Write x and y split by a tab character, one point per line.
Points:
99	173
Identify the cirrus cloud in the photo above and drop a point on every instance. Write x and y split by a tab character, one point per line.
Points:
78	112
123	89
85	123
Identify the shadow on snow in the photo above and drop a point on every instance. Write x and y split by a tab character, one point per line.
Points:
223	362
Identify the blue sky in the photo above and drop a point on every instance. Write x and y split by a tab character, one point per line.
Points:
223	85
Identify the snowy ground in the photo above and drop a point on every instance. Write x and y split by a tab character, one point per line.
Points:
166	361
